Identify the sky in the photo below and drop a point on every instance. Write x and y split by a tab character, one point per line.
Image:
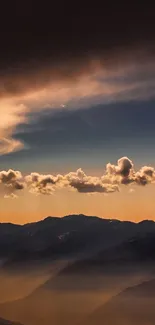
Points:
77	111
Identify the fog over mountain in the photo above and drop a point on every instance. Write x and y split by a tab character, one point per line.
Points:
84	266
134	305
7	322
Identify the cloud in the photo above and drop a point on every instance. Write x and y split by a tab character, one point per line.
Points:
145	176
12	114
46	88
123	167
47	184
68	40
115	176
93	187
88	184
47	69
124	173
10	196
131	190
10	145
11	181
41	184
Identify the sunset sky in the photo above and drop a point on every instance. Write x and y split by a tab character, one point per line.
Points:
77	104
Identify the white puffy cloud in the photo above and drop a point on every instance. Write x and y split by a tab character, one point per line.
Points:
47	184
88	184
123	167
123	173
41	184
10	196
11	181
145	175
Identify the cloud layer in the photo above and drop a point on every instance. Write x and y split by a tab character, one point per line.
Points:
68	88
71	58
123	173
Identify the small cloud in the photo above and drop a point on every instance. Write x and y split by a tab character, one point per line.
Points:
8	145
131	190
11	181
10	196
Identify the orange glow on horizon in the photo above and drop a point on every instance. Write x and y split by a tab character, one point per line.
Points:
134	206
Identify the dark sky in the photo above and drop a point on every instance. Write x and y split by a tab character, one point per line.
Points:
56	31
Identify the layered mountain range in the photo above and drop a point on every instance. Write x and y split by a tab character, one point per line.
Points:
105	276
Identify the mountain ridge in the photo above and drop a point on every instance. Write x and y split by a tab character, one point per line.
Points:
71	236
99	255
56	218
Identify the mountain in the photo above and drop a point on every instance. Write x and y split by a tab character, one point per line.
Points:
71	236
75	291
7	322
133	306
127	255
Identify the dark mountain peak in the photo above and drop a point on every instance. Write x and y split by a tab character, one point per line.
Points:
80	217
86	218
146	222
75	216
50	219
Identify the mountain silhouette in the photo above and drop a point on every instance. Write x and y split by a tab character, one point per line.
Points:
115	254
73	235
104	257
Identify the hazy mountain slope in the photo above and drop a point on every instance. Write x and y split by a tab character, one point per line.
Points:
134	306
82	286
7	322
68	307
113	255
